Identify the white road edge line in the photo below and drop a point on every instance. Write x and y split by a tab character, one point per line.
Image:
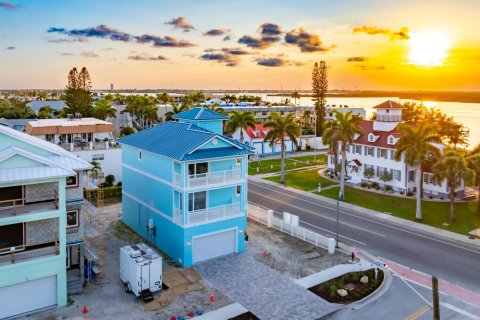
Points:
379	223
461	311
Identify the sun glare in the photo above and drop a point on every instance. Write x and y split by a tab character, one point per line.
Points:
429	48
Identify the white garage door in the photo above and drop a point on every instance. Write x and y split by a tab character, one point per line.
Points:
214	245
258	147
28	296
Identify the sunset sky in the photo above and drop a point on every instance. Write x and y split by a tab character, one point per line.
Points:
374	45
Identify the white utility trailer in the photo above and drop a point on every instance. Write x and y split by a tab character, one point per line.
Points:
141	270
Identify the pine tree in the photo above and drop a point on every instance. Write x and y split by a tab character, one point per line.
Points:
319	88
78	94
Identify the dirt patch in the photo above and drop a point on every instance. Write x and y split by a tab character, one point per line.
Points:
351	282
289	255
108	300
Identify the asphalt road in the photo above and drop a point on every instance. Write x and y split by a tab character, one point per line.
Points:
447	259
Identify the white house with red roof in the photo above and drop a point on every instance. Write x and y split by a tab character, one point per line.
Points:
376	148
256	139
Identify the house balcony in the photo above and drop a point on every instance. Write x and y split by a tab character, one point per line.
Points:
207	215
19	206
27	255
209	178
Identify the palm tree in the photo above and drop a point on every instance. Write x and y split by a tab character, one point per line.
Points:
296	96
453	168
175	110
279	129
216	107
307	114
415	145
103	110
342	130
242	121
473	163
163	98
45	112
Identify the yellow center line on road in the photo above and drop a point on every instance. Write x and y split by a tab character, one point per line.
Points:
319	214
418	313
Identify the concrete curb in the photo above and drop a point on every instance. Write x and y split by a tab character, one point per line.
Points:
399	221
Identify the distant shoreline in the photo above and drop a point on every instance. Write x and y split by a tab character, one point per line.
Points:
465	97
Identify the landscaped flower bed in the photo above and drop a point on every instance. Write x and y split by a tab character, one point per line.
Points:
351	282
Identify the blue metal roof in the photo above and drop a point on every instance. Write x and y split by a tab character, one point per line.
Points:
200	113
54	104
215	153
176	139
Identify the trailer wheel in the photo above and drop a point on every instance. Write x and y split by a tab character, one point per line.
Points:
128	289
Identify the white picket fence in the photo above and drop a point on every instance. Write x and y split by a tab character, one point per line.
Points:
263	216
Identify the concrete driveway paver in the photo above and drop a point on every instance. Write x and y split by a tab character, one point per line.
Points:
263	291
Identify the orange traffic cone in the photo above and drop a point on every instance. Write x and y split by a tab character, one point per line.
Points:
265	253
85	309
212	297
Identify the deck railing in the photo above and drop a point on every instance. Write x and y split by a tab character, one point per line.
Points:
15	205
215	177
214	213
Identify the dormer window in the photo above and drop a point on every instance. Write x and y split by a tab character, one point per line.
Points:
265	132
391	140
371	137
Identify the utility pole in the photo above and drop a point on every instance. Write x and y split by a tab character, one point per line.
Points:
436	300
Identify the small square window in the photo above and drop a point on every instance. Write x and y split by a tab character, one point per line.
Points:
72	219
239	190
139	155
96	157
239	161
72	181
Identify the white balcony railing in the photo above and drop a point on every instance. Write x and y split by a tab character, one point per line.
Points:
196	180
177	216
214	213
177	179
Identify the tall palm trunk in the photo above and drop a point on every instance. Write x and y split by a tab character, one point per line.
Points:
241	135
478	184
342	175
418	182
282	163
452	203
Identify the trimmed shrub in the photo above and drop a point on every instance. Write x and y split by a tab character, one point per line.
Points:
112	192
410	193
364	184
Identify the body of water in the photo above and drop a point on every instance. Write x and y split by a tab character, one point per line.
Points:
467	114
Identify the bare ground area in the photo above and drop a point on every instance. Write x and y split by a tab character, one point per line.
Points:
109	300
288	255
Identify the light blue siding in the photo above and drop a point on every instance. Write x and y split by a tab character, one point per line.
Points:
220	165
214	126
153	164
220	144
220	197
7	141
18	161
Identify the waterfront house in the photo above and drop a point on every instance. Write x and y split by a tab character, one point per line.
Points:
256	139
376	148
90	139
41	228
185	187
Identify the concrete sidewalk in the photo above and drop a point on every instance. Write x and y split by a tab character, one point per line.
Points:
414	225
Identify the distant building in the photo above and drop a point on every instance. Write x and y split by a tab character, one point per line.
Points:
17	124
185	187
376	148
56	105
255	138
111	86
359	111
89	138
41	223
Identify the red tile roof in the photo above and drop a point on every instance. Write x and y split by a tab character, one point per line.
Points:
389	105
381	142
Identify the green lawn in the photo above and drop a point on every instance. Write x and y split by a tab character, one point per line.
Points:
304	179
265	166
434	213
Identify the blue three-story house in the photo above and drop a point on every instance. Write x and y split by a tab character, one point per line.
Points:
185	187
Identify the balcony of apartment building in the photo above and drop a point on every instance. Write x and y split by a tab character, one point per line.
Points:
209	206
28	199
206	174
20	242
81	142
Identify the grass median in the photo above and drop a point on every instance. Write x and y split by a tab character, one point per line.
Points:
307	180
273	165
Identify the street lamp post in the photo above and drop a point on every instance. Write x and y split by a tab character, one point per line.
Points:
338	212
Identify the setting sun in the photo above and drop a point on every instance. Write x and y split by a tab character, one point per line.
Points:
429	48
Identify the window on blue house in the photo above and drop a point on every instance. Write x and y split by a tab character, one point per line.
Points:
197	201
239	190
198	168
139	155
